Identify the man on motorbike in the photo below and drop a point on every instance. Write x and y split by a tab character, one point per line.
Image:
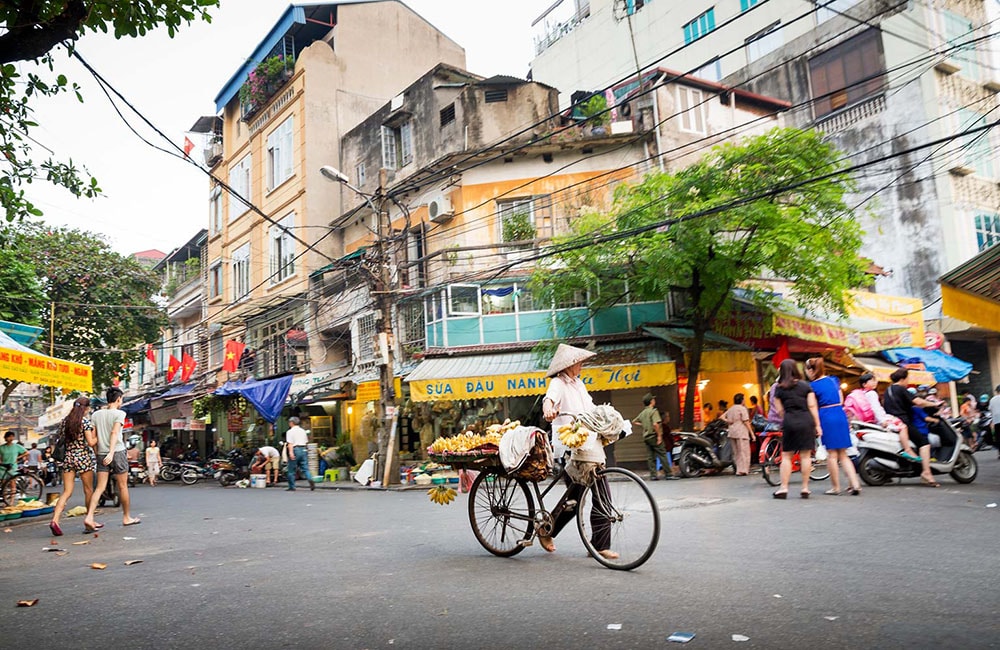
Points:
899	402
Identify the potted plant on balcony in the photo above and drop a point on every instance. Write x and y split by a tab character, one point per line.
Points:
596	114
264	81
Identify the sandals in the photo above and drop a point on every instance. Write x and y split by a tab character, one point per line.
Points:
929	483
854	491
56	530
832	492
780	495
804	494
608	554
546	543
908	456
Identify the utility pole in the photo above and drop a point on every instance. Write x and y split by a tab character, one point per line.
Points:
384	300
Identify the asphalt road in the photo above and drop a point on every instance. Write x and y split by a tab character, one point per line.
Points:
901	566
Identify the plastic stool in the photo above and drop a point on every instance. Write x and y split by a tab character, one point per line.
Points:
331	475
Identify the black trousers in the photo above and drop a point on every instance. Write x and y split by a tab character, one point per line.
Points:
600	522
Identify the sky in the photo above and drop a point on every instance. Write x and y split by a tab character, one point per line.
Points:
155	201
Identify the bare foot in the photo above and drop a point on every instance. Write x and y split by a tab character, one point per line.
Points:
609	554
546	543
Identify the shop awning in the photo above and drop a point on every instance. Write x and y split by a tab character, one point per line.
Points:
719	353
516	374
971	291
944	366
267	396
23	334
882	369
21	363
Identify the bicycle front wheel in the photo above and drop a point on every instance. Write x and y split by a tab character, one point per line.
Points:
771	462
619	514
502	513
29	486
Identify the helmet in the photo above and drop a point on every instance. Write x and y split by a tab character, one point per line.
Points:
911	390
984	398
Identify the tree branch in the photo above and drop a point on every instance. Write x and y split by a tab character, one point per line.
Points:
26	39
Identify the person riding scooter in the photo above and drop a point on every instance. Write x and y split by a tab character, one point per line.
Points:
899	402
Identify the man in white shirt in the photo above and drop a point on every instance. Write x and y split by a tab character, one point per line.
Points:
995	414
34	462
268	459
296	439
111	459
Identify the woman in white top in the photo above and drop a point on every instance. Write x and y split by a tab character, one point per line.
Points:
153	462
566	397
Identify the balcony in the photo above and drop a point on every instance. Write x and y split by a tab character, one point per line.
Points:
264	82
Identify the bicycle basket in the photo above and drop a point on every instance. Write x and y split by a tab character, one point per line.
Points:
536	465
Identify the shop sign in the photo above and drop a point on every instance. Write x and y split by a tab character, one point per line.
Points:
196	425
32	368
908	312
305	382
818	331
178	424
934	341
884	340
744	325
368	391
234	421
536	383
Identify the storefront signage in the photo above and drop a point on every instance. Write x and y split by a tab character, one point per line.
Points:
600	378
908	312
47	371
303	383
196	425
178	424
818	331
368	391
934	341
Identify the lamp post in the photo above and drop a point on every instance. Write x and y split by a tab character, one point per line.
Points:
383	292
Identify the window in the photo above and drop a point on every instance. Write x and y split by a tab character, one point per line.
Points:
827	9
632	6
359	173
700	26
524	219
977	151
847	73
215	210
463	300
239	182
746	4
691	109
366	338
241	272
959	29
215	350
496	95
987	230
397	145
498	299
712	71
279	342
282	250
280	152
448	114
415	271
578	299
764	42
215	279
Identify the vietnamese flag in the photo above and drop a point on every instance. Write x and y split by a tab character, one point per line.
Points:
188	146
234	350
173	365
781	354
150	354
187	366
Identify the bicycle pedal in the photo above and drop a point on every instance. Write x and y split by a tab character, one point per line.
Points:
525	542
570	504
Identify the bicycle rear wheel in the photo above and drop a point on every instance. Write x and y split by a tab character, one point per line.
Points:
820	471
619	514
771	465
29	486
502	513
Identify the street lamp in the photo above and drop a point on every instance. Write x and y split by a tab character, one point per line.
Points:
383	296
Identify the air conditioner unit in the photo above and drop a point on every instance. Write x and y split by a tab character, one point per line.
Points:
439	209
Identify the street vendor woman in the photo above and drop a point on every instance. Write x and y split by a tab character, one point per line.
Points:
565	398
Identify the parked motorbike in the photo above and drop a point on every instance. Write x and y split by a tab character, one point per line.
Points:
707	451
234	467
879	461
985	438
171	469
191	473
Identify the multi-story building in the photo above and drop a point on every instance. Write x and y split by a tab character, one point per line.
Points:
478	176
906	89
319	71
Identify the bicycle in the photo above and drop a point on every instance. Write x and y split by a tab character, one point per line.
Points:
506	516
770	461
18	485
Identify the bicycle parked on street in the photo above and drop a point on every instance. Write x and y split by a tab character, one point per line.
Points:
770	461
19	484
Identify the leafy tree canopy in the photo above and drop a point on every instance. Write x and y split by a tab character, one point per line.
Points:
29	30
766	207
104	307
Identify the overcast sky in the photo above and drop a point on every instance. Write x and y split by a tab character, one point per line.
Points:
155	201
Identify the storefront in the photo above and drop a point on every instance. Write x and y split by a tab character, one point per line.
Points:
450	394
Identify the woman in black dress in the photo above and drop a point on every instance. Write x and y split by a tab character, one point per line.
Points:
796	404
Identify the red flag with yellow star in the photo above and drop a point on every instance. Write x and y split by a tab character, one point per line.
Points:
173	365
234	350
187	366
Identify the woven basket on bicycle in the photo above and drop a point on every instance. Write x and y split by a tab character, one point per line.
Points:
536	465
478	458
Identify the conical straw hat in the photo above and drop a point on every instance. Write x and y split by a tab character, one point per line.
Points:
566	356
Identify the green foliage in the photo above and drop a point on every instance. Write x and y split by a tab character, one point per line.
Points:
595	110
208	404
20	291
31	30
517	226
104	307
264	81
719	224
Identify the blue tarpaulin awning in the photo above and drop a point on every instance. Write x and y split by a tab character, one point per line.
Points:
267	396
944	366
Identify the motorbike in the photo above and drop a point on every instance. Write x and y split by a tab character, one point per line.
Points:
879	461
171	469
191	473
232	468
706	451
985	438
136	473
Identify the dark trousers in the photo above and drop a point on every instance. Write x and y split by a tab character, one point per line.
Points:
600	522
654	451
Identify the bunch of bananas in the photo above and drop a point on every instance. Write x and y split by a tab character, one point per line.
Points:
573	435
501	429
465	442
441	495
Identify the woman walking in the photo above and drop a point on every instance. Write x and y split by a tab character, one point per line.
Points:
795	402
836	429
740	434
80	440
153	462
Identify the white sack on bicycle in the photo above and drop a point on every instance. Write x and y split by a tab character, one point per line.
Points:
606	422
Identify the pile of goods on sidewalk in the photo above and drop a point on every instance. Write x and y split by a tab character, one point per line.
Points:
25	508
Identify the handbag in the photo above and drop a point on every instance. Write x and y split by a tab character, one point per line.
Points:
58	442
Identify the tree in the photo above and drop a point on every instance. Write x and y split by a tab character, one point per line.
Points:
30	31
769	206
103	301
